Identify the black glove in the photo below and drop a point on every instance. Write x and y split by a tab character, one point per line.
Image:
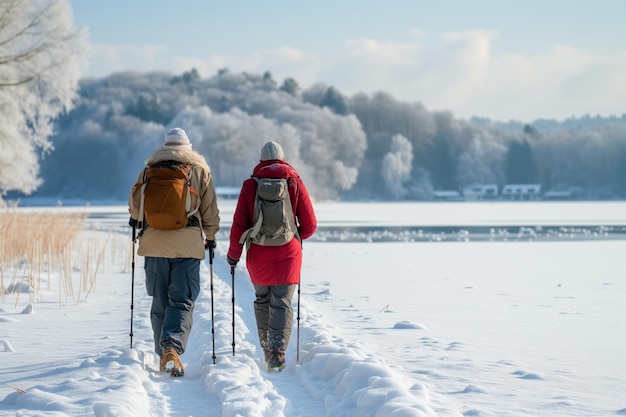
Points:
232	262
132	222
210	245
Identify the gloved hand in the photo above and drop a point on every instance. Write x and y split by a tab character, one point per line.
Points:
210	245
232	262
132	222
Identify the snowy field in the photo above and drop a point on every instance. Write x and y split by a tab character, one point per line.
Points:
450	309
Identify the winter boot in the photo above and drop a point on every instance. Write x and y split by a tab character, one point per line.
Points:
266	354
264	342
170	362
276	360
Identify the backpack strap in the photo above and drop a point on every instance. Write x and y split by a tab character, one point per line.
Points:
140	219
249	235
192	190
292	218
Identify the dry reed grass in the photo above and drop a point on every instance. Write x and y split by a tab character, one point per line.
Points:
36	241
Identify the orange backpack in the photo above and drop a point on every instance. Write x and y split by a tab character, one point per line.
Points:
166	195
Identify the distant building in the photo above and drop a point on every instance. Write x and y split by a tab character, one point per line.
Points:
447	195
481	192
558	195
521	192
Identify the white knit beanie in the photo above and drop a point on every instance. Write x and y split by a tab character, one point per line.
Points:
177	138
272	150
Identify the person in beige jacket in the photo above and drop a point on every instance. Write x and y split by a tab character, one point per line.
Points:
172	257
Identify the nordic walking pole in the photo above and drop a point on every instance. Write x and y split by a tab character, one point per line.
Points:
298	327
132	288
211	253
232	274
298	318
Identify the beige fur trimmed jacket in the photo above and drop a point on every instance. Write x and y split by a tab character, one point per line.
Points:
187	242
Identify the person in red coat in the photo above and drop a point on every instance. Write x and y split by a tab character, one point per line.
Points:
274	270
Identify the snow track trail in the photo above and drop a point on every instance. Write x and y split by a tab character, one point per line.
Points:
70	358
333	375
235	385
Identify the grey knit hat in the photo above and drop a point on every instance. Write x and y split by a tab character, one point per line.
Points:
272	150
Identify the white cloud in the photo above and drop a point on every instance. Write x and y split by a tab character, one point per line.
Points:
459	71
562	83
282	62
455	65
105	59
456	71
285	62
600	86
204	67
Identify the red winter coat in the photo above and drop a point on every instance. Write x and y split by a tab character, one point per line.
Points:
273	265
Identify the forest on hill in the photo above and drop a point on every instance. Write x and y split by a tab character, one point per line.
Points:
360	147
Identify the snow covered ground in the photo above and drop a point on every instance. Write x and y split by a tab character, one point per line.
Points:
452	325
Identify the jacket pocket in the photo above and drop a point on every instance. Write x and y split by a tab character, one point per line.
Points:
193	281
151	278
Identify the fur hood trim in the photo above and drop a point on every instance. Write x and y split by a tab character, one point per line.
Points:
169	153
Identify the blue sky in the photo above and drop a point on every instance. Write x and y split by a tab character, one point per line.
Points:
503	60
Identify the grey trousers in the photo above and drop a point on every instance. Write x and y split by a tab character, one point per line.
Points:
274	315
174	285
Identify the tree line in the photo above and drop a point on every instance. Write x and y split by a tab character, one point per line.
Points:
345	147
41	59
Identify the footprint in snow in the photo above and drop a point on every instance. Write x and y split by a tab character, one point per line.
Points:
470	389
506	362
474	412
527	375
7	320
454	346
427	341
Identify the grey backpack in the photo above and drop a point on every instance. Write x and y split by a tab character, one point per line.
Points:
274	220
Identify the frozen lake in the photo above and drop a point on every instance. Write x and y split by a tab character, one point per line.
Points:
458	221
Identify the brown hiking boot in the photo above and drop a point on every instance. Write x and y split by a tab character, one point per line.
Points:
170	362
276	360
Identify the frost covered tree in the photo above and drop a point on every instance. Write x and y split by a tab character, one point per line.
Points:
290	86
41	58
332	148
232	141
481	162
230	115
396	168
520	163
334	101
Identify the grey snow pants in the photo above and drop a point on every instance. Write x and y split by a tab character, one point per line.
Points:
174	285
274	315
